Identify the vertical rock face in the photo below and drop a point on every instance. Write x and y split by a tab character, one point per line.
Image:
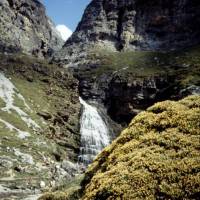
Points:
25	27
136	25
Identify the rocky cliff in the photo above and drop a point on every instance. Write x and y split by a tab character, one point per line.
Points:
134	25
128	82
128	55
25	27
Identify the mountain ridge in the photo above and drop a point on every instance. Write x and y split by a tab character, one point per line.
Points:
133	25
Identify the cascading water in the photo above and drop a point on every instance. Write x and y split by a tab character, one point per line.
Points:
94	133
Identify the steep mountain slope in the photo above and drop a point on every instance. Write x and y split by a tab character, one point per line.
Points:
39	125
156	157
134	25
39	104
128	82
25	27
128	55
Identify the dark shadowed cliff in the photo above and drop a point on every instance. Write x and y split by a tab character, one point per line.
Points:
128	55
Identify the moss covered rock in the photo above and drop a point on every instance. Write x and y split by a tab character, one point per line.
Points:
156	157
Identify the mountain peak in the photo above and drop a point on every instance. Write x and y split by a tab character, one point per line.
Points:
25	27
135	25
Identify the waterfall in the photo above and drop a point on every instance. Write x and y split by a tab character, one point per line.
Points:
94	133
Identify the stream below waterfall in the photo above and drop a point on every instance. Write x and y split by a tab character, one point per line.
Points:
94	133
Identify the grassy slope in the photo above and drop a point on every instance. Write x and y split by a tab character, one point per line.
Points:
42	87
156	157
185	64
9	139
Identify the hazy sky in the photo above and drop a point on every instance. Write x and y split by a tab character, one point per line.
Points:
65	12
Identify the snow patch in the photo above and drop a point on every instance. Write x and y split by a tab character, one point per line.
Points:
7	93
64	31
22	134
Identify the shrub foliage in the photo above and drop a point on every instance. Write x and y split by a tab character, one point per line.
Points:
156	157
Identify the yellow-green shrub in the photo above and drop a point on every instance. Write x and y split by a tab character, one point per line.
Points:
156	157
54	196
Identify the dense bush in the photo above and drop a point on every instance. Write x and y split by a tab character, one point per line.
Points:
156	157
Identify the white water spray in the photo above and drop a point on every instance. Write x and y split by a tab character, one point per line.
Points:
94	133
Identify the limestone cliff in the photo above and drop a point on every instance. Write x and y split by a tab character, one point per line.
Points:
121	25
128	55
128	82
25	27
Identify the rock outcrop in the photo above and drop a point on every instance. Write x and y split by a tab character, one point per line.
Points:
127	83
156	157
25	27
124	95
134	25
